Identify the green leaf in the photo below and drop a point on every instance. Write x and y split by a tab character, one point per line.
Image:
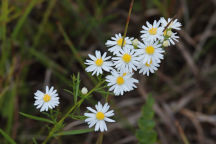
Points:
36	118
7	137
76	83
74	132
146	133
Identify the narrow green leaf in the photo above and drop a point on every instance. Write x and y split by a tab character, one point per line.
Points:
34	140
74	132
70	92
3	36
36	118
44	22
77	87
7	137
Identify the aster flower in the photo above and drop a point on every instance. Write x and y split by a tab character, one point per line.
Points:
168	34
173	25
116	43
47	100
126	60
121	82
152	32
98	63
99	116
146	68
150	51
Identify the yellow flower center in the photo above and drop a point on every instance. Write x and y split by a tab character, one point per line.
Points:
120	80
124	74
100	115
119	42
99	62
148	64
46	98
126	58
150	50
153	31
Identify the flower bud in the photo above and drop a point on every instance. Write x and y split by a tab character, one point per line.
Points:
135	42
166	43
84	90
169	33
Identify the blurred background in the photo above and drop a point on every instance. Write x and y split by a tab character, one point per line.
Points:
44	42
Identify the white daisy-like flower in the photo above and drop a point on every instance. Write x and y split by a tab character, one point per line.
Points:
98	63
47	100
146	68
173	25
168	34
99	116
126	60
152	32
116	43
150	51
121	82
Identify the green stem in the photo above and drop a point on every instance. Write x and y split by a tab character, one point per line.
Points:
127	22
53	130
100	138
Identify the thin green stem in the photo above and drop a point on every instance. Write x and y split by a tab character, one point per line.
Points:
53	130
100	138
127	22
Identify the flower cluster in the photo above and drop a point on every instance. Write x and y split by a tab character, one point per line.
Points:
130	55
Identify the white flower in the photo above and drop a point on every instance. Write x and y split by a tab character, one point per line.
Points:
121	82
126	60
98	63
47	100
146	68
99	116
150	51
84	90
116	43
152	32
173	25
168	34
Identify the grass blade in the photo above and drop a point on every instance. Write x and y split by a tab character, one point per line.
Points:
74	132
44	22
3	31
23	18
36	118
7	137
